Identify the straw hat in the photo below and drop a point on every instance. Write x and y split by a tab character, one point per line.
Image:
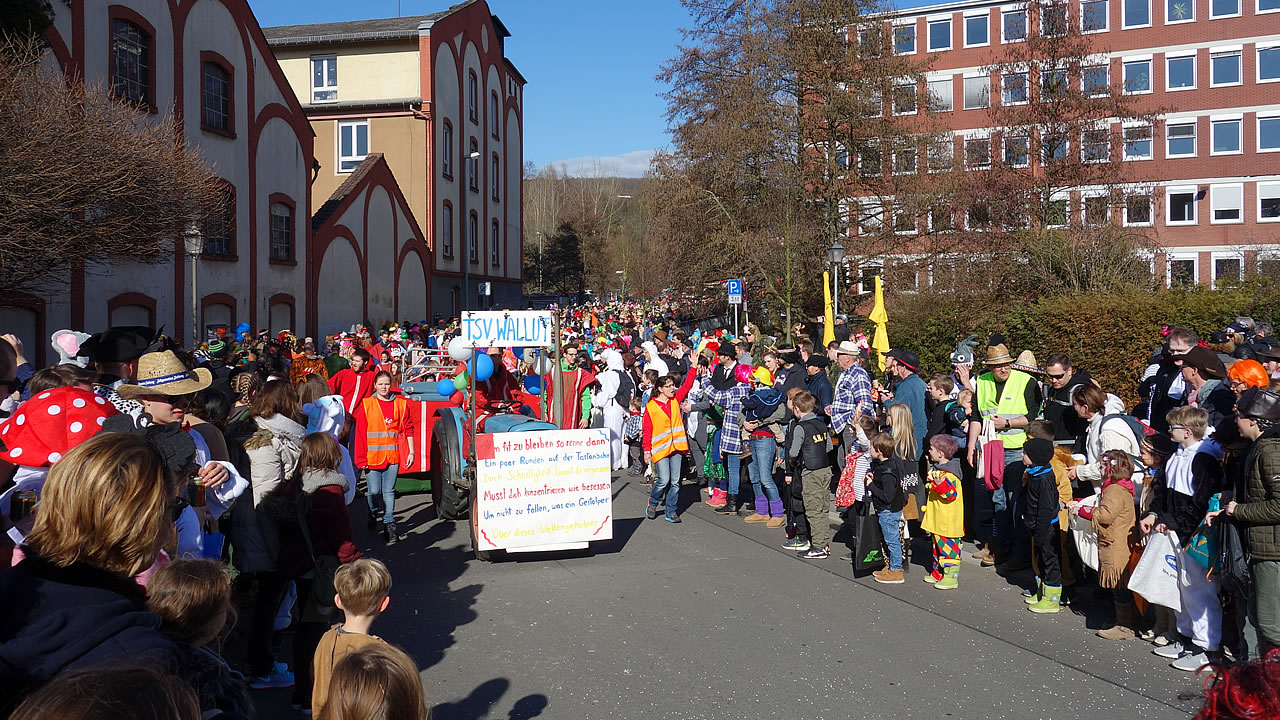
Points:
1026	362
162	373
998	354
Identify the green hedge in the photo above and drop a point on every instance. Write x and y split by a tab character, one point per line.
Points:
1111	335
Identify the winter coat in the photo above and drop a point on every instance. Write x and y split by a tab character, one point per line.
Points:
886	486
1183	513
1115	522
328	521
1259	511
273	459
58	619
1114	434
1042	505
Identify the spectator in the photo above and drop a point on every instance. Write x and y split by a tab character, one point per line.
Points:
363	593
1203	374
852	396
1114	522
817	382
908	389
377	681
1107	430
1068	427
1162	387
114	692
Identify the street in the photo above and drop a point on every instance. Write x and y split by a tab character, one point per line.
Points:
712	619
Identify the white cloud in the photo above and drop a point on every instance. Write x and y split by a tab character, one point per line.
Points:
633	164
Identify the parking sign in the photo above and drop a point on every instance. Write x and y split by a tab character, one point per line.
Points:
735	292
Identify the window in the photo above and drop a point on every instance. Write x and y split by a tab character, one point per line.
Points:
1017	151
1224	68
977	92
473	97
1226	202
1053	84
215	97
940	99
941	219
473	167
1013	25
1223	9
494	176
1095	80
495	244
473	240
1228	270
1180	205
1137	210
870	217
324	79
842	156
219	228
1053	20
1055	211
1180	72
1181	139
131	63
940	155
939	35
1268	133
904	221
1268	6
446	229
867	275
874	103
869	162
1093	15
353	143
904	39
1269	63
1137	13
1137	76
446	155
1013	88
1095	145
1179	11
904	161
1097	210
281	232
977	217
904	99
1269	203
871	40
1225	136
1055	148
977	153
1137	142
1183	270
977	30
495	117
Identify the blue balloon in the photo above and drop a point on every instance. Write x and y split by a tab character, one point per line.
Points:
481	365
533	384
446	388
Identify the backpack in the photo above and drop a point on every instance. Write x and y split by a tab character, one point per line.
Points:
762	403
1231	564
626	390
1139	429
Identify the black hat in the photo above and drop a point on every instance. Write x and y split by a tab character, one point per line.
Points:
1259	404
1271	352
1217	337
906	357
119	344
1204	361
790	357
726	350
817	361
1039	451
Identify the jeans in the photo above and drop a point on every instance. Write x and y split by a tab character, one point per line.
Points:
382	491
892	536
734	465
762	454
271	590
666	479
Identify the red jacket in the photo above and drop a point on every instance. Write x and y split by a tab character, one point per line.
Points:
329	523
353	387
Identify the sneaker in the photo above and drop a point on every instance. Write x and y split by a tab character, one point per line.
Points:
1172	651
889	577
821	553
634	471
672	518
278	678
1190	662
1163	639
394	535
650	512
1149	635
796	544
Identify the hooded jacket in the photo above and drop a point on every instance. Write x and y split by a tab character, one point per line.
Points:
273	458
328	521
1258	511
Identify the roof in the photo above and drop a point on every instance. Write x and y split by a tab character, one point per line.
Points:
347	187
397	28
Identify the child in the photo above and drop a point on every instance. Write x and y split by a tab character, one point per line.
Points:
888	499
632	433
193	599
376	681
905	455
1041	515
809	456
944	512
363	593
1156	449
948	417
1061	460
1114	520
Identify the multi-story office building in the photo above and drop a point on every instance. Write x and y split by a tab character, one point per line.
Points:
436	96
1210	164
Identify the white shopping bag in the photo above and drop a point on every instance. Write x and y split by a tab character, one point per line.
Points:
1156	576
1085	537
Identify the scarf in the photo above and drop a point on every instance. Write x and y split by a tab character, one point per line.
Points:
1177	471
1126	483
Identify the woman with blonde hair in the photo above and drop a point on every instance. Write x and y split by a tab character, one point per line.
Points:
376	682
106	510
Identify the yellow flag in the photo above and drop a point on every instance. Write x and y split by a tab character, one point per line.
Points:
880	341
829	334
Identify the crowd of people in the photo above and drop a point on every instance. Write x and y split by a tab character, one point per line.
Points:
143	482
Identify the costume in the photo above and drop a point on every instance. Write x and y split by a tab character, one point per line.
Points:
575	404
613	413
944	519
353	386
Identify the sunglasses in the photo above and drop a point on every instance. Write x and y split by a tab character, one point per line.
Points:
1051	376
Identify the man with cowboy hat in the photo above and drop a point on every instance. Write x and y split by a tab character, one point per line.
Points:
852	396
1010	400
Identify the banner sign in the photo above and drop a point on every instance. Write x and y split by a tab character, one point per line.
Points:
506	328
543	488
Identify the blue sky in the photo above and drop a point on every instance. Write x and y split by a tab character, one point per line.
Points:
592	100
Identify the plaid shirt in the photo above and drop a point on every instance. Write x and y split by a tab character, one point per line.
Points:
731	401
633	427
853	390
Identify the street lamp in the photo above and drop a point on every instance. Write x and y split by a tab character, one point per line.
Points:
193	241
540	290
466	220
623	292
835	256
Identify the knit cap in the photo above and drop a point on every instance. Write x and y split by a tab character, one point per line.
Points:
1039	451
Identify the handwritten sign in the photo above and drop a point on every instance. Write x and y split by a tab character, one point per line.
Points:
543	488
506	328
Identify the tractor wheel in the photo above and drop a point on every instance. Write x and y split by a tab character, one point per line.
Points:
452	504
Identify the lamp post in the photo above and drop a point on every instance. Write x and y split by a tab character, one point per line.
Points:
835	256
540	290
622	293
193	240
466	220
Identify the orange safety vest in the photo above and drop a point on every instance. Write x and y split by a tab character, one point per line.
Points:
668	430
382	434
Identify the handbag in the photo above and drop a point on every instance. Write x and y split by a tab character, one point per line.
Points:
1084	535
869	545
1232	562
1156	576
1203	547
846	491
318	605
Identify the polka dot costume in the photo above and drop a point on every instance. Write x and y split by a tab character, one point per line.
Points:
45	427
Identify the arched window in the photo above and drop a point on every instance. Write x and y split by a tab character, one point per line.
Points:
215	96
495	244
132	48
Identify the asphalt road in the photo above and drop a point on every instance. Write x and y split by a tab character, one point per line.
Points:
712	619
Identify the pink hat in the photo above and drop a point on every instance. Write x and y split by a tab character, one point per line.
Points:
48	425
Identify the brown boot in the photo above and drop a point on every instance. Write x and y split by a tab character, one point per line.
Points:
1123	629
775	523
983	555
756	518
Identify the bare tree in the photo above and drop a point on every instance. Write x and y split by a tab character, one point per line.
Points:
85	177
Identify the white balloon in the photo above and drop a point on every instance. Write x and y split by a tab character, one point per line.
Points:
458	351
542	365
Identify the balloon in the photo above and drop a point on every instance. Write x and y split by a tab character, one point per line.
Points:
533	384
542	365
460	382
742	373
482	366
445	388
458	351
